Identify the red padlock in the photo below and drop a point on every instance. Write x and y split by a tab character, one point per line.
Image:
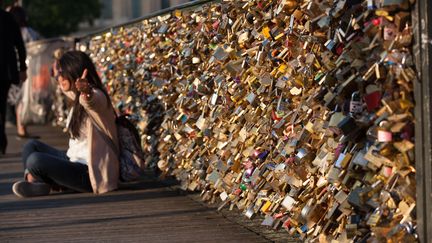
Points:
372	97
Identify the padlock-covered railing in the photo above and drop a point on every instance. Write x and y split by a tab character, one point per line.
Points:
301	112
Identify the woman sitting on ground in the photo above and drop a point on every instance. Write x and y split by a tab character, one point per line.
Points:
89	165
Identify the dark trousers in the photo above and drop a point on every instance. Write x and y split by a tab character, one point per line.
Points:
52	166
10	114
4	89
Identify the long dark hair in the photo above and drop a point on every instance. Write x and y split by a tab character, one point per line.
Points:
72	64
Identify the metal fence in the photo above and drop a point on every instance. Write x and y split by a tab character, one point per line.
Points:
423	108
422	52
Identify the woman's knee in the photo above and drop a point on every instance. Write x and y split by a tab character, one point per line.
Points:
34	161
31	145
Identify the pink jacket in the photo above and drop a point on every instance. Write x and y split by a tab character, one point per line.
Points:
103	162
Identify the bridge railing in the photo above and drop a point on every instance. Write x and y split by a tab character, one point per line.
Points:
277	108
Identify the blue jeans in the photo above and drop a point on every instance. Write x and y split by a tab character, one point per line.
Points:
53	167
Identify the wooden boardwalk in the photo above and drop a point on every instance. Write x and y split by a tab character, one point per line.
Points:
147	212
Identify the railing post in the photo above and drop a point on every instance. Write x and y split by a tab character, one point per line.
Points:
422	53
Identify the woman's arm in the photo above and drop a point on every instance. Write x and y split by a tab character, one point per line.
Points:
92	99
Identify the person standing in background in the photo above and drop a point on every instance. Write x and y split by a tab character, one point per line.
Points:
12	71
28	35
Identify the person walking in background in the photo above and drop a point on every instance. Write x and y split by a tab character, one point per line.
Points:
12	71
28	35
90	164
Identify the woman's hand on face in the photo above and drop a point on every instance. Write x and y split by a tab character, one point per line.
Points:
82	85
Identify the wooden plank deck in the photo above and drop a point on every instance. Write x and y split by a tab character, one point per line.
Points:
148	212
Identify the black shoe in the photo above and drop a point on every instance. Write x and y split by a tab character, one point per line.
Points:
30	189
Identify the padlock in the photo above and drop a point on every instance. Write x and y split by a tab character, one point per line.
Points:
329	99
356	104
303	155
347	125
383	133
358	158
330	45
345	157
333	174
372	97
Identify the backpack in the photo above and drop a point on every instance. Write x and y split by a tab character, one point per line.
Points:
131	155
132	159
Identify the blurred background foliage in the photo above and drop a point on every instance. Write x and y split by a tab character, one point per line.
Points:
53	18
